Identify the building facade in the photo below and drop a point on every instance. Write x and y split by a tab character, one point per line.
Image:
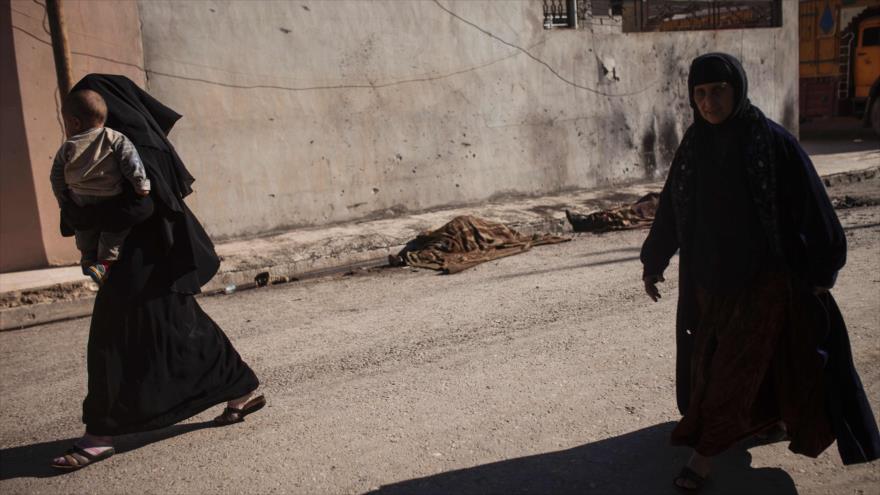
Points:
308	113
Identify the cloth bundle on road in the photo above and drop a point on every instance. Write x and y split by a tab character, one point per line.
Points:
464	242
637	215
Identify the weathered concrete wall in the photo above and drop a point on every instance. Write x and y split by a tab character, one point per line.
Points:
309	112
103	37
21	241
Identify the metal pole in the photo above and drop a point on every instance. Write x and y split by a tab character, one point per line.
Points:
60	48
572	13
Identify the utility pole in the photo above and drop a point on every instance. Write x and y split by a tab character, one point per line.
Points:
60	48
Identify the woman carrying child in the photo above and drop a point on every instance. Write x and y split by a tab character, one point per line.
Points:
154	357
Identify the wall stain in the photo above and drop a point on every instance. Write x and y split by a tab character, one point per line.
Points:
668	140
649	161
789	111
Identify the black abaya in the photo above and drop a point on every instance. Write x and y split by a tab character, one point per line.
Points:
784	217
154	357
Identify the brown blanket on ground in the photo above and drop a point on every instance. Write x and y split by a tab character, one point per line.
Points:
464	242
637	215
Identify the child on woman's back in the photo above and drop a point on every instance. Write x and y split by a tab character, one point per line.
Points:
89	168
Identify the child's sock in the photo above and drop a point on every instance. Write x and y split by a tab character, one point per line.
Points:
98	271
86	260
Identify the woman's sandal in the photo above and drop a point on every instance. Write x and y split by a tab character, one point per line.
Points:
773	433
232	415
78	458
688	474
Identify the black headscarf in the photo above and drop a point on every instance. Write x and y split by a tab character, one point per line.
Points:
168	246
146	122
727	235
720	67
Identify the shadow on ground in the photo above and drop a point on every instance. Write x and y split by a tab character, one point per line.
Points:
578	266
32	461
639	462
815	146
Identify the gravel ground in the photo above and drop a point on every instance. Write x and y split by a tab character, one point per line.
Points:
547	372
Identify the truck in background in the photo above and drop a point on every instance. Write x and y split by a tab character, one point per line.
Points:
840	60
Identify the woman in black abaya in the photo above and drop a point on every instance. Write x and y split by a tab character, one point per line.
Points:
761	342
154	357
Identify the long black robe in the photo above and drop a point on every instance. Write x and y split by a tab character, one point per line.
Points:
154	357
802	230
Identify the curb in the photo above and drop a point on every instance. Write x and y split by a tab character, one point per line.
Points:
850	177
28	315
20	317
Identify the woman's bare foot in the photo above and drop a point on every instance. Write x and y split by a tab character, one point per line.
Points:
93	444
239	402
701	466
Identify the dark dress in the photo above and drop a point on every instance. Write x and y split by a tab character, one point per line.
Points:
154	357
756	233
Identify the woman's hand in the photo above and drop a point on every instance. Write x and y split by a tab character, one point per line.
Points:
651	282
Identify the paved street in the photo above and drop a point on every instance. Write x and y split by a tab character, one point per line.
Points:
548	372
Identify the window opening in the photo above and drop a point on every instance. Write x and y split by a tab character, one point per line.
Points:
693	15
569	13
871	36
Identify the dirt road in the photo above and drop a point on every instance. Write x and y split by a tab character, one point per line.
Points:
548	372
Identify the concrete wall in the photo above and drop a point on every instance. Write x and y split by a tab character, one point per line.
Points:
103	37
313	112
310	112
21	240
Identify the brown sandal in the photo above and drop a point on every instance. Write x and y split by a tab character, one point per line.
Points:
232	415
78	458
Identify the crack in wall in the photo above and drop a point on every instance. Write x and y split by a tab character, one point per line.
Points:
369	85
542	62
56	95
45	21
74	52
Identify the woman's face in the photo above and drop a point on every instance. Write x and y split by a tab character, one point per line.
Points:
714	101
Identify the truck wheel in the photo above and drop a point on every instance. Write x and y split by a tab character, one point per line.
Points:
875	114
